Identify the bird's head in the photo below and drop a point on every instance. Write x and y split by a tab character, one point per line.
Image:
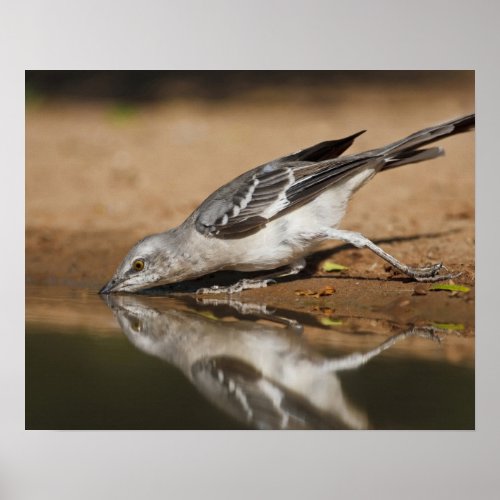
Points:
148	263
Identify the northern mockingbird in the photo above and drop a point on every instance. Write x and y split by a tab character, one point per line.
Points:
274	215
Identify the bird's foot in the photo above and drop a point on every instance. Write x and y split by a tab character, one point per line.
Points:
241	285
428	332
430	274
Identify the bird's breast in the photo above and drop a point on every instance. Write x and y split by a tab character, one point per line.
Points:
288	238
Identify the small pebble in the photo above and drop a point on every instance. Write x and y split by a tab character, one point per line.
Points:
420	289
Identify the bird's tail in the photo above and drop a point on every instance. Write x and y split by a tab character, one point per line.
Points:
409	149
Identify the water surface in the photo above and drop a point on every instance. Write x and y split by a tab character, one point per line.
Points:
139	362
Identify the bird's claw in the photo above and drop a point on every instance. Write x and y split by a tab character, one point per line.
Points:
438	277
430	274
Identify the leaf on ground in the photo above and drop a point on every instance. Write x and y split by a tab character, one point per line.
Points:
306	293
326	321
449	326
208	314
330	266
325	310
325	291
450	288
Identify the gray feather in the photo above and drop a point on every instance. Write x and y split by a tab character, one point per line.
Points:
248	202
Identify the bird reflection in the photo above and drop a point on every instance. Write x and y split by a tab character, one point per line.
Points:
263	375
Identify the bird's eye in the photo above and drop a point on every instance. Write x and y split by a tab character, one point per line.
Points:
138	265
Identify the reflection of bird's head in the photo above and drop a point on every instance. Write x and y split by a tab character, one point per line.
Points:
148	329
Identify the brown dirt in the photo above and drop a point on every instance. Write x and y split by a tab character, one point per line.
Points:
97	180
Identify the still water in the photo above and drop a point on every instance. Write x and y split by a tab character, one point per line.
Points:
139	362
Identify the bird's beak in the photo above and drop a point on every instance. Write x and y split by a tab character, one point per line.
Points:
111	300
109	286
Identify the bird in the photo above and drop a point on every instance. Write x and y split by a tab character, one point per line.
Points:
273	216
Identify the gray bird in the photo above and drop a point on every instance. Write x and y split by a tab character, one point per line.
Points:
271	217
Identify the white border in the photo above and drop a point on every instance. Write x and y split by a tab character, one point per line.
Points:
268	34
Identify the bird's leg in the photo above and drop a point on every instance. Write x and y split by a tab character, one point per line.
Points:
252	309
428	274
261	282
357	359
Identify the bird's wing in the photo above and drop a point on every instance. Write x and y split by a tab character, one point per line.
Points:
251	200
242	391
266	192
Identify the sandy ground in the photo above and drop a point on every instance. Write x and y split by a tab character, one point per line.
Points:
101	176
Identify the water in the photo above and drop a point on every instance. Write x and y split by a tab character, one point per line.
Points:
137	362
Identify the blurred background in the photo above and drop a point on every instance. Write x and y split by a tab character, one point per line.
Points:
151	86
114	155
